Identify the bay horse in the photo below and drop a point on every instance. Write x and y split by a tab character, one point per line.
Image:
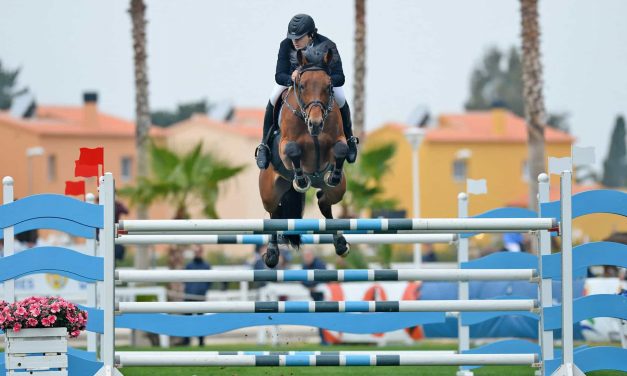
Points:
310	152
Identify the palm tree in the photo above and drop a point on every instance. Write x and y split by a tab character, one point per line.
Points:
359	85
532	92
193	178
365	183
142	109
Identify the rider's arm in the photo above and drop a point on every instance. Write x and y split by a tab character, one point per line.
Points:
283	65
337	74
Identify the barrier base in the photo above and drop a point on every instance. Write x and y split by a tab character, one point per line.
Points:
463	372
108	371
568	369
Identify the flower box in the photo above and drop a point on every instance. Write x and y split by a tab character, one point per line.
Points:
36	351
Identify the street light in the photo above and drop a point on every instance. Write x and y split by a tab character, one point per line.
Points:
30	153
414	136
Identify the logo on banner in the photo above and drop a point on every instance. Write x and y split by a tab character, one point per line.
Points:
56	282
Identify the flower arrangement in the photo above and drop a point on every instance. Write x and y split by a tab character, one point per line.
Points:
42	312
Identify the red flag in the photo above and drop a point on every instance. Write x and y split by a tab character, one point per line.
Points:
92	156
75	188
85	170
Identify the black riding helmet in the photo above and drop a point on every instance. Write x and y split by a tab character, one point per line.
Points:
300	25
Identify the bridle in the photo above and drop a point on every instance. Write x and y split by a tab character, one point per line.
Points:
304	109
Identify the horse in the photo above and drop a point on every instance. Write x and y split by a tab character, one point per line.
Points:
310	152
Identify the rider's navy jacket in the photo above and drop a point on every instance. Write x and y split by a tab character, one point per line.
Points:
287	62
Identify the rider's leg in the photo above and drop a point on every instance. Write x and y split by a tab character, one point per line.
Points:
262	154
347	124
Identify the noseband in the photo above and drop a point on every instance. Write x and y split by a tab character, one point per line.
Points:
304	109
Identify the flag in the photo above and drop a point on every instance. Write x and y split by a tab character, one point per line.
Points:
476	187
75	188
85	170
92	156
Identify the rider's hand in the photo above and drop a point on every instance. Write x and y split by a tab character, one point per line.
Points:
294	75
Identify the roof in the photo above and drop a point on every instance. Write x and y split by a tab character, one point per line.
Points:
245	122
483	126
70	121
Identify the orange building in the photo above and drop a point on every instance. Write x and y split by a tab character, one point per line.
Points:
39	151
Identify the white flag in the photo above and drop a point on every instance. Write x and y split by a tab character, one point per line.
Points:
476	187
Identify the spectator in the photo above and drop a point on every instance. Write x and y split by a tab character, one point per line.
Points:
428	253
310	261
513	242
196	291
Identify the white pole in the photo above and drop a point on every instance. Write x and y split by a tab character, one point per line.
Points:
92	290
416	200
545	287
343	306
355	275
9	237
146	358
107	192
462	256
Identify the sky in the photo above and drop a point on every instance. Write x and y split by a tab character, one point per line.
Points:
419	53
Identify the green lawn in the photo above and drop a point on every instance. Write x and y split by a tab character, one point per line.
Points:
361	371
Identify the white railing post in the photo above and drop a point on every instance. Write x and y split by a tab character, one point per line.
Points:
568	366
92	289
9	237
545	287
463	331
107	235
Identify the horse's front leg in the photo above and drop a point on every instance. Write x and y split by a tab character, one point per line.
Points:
334	177
301	181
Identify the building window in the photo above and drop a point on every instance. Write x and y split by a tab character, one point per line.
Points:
52	167
525	171
126	168
460	170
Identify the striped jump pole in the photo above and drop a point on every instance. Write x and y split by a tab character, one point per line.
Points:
306	239
329	306
352	275
393	359
294	226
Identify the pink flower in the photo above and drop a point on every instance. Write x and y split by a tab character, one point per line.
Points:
31	322
52	319
45	321
55	308
20	311
75	333
2	318
17	327
34	311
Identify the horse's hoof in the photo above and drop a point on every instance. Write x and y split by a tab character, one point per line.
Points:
342	247
271	257
331	180
300	189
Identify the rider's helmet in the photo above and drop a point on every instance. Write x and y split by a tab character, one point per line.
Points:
300	25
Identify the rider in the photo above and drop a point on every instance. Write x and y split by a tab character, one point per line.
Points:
302	34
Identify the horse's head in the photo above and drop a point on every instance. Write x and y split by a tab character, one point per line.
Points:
314	91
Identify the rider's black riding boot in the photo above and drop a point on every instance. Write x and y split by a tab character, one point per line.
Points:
351	140
262	153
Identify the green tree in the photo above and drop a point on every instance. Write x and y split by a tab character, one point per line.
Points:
615	165
193	178
497	81
184	111
365	181
8	90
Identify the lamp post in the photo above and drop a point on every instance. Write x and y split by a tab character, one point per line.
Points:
414	136
30	153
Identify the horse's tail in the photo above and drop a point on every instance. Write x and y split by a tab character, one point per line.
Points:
292	206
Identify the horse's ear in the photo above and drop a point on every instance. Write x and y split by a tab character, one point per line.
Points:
328	56
300	56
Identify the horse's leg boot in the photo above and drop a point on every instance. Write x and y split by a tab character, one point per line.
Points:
301	181
334	177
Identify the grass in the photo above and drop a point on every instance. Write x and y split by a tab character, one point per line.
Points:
361	371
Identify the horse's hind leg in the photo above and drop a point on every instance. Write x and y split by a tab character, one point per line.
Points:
334	177
342	248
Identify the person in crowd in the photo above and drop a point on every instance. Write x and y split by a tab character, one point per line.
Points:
196	291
